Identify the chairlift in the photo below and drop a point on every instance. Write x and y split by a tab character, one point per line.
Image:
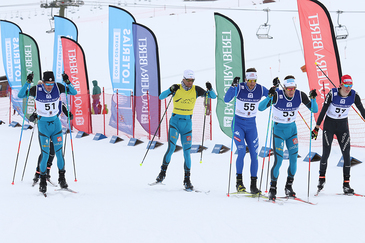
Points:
51	22
263	30
340	30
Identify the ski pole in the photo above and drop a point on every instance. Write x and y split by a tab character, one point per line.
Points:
154	135
205	116
233	123
267	135
69	125
335	87
304	120
270	150
21	133
30	143
310	147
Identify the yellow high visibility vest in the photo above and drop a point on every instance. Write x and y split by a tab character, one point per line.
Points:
184	101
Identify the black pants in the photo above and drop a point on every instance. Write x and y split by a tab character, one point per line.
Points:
340	128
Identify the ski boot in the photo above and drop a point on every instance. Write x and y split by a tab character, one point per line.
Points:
288	187
272	191
162	174
48	172
321	182
43	184
253	187
62	179
239	184
346	186
187	183
36	177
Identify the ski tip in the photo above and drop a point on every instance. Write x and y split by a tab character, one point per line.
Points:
12	183
140	164
228	195
201	161
75	180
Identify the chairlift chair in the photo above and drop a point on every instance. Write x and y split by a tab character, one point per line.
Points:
340	30
263	30
51	23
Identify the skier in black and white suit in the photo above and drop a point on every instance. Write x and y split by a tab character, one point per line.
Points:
336	108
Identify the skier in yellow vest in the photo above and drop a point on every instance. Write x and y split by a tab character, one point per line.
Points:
184	97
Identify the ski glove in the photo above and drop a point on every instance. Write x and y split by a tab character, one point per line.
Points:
66	112
272	91
276	82
235	82
30	78
33	117
208	85
65	78
315	133
174	88
313	94
70	115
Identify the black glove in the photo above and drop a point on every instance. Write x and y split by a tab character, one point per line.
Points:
30	78
65	78
66	112
70	115
174	88
276	82
313	94
272	91
208	85
315	133
235	82
33	117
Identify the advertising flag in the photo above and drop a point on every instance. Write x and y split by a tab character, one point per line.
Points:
229	63
147	106
30	63
67	28
75	66
11	60
122	67
320	48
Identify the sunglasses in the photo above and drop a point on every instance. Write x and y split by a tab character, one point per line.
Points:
49	84
252	80
189	80
348	85
291	89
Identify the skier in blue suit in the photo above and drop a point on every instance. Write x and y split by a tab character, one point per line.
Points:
249	94
285	107
47	98
184	97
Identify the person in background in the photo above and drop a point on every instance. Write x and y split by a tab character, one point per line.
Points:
286	103
184	97
249	94
47	98
336	108
96	97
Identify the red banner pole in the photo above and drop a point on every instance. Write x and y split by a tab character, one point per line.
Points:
103	110
149	116
134	113
210	114
167	124
117	113
10	106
